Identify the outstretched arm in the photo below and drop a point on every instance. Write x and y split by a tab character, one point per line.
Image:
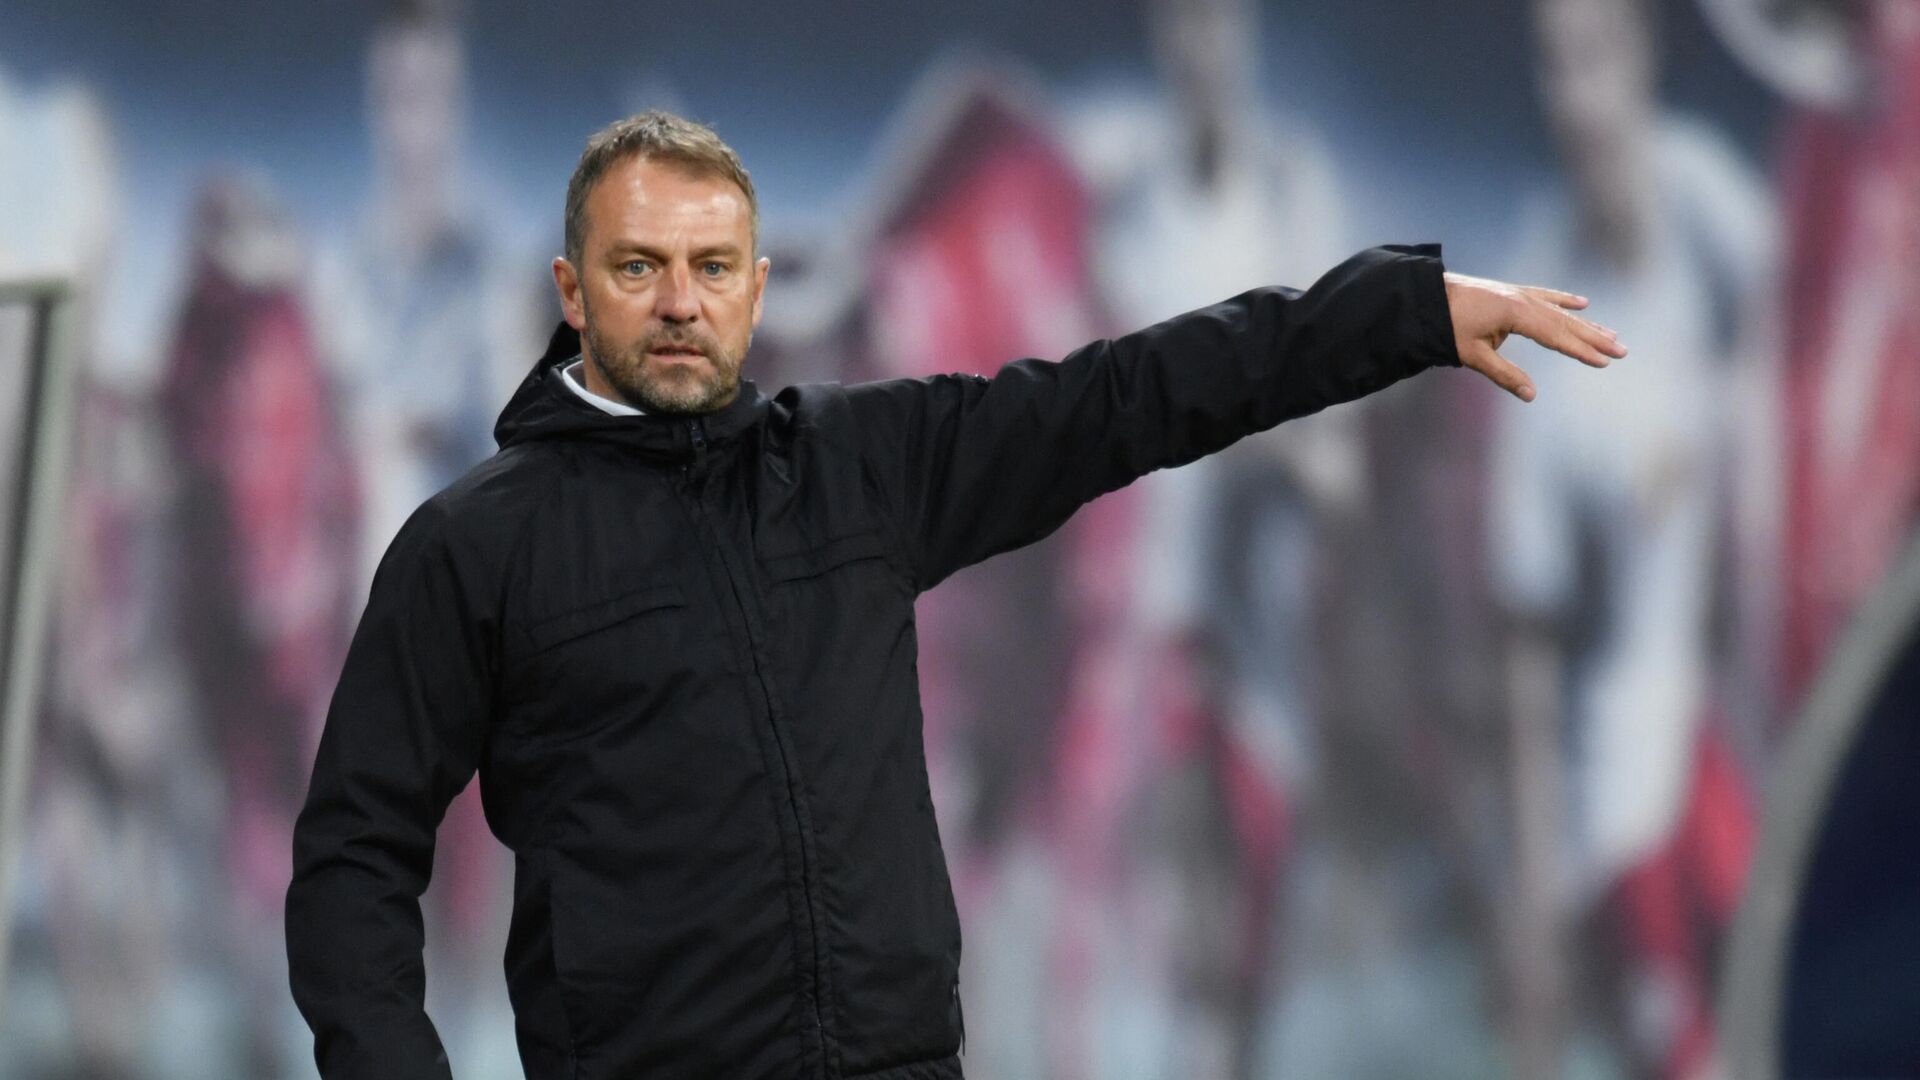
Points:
973	466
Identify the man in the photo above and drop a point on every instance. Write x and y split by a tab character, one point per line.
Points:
670	623
422	274
1191	855
1629	804
263	517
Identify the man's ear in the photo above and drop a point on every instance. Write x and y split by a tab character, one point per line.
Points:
567	280
760	268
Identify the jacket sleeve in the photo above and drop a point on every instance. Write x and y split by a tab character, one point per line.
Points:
403	735
972	466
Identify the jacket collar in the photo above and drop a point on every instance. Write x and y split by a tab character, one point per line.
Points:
543	408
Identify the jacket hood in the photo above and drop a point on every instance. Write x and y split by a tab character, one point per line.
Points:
544	408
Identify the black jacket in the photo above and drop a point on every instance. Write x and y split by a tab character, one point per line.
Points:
680	653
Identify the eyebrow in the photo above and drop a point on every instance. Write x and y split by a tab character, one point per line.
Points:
634	247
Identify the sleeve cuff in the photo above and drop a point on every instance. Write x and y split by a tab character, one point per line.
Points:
1432	314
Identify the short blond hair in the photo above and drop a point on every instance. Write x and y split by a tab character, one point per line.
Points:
653	135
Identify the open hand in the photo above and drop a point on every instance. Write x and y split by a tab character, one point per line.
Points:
1485	312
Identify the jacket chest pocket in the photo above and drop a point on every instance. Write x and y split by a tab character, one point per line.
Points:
608	661
824	558
838	611
549	631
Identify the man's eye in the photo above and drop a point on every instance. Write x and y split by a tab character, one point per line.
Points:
635	267
714	269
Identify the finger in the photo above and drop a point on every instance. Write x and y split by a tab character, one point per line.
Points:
1503	372
1606	331
1610	343
1555	330
1597	336
1556	297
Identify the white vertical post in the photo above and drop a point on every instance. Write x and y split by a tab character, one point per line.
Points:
27	581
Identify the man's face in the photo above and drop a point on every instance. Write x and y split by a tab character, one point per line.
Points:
668	292
1599	83
416	81
1207	53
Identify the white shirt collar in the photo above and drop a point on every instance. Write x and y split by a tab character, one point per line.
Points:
571	373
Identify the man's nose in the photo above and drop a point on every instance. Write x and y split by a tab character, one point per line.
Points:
674	301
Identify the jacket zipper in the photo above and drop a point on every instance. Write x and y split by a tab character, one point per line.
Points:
697	435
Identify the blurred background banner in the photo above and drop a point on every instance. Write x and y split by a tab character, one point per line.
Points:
1436	735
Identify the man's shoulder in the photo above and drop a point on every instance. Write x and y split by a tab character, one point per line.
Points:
484	511
827	406
862	414
520	470
810	408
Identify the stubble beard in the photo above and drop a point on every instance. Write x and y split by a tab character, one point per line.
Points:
679	390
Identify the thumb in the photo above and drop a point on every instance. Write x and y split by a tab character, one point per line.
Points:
1503	372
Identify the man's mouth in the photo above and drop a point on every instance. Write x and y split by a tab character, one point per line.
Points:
680	352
